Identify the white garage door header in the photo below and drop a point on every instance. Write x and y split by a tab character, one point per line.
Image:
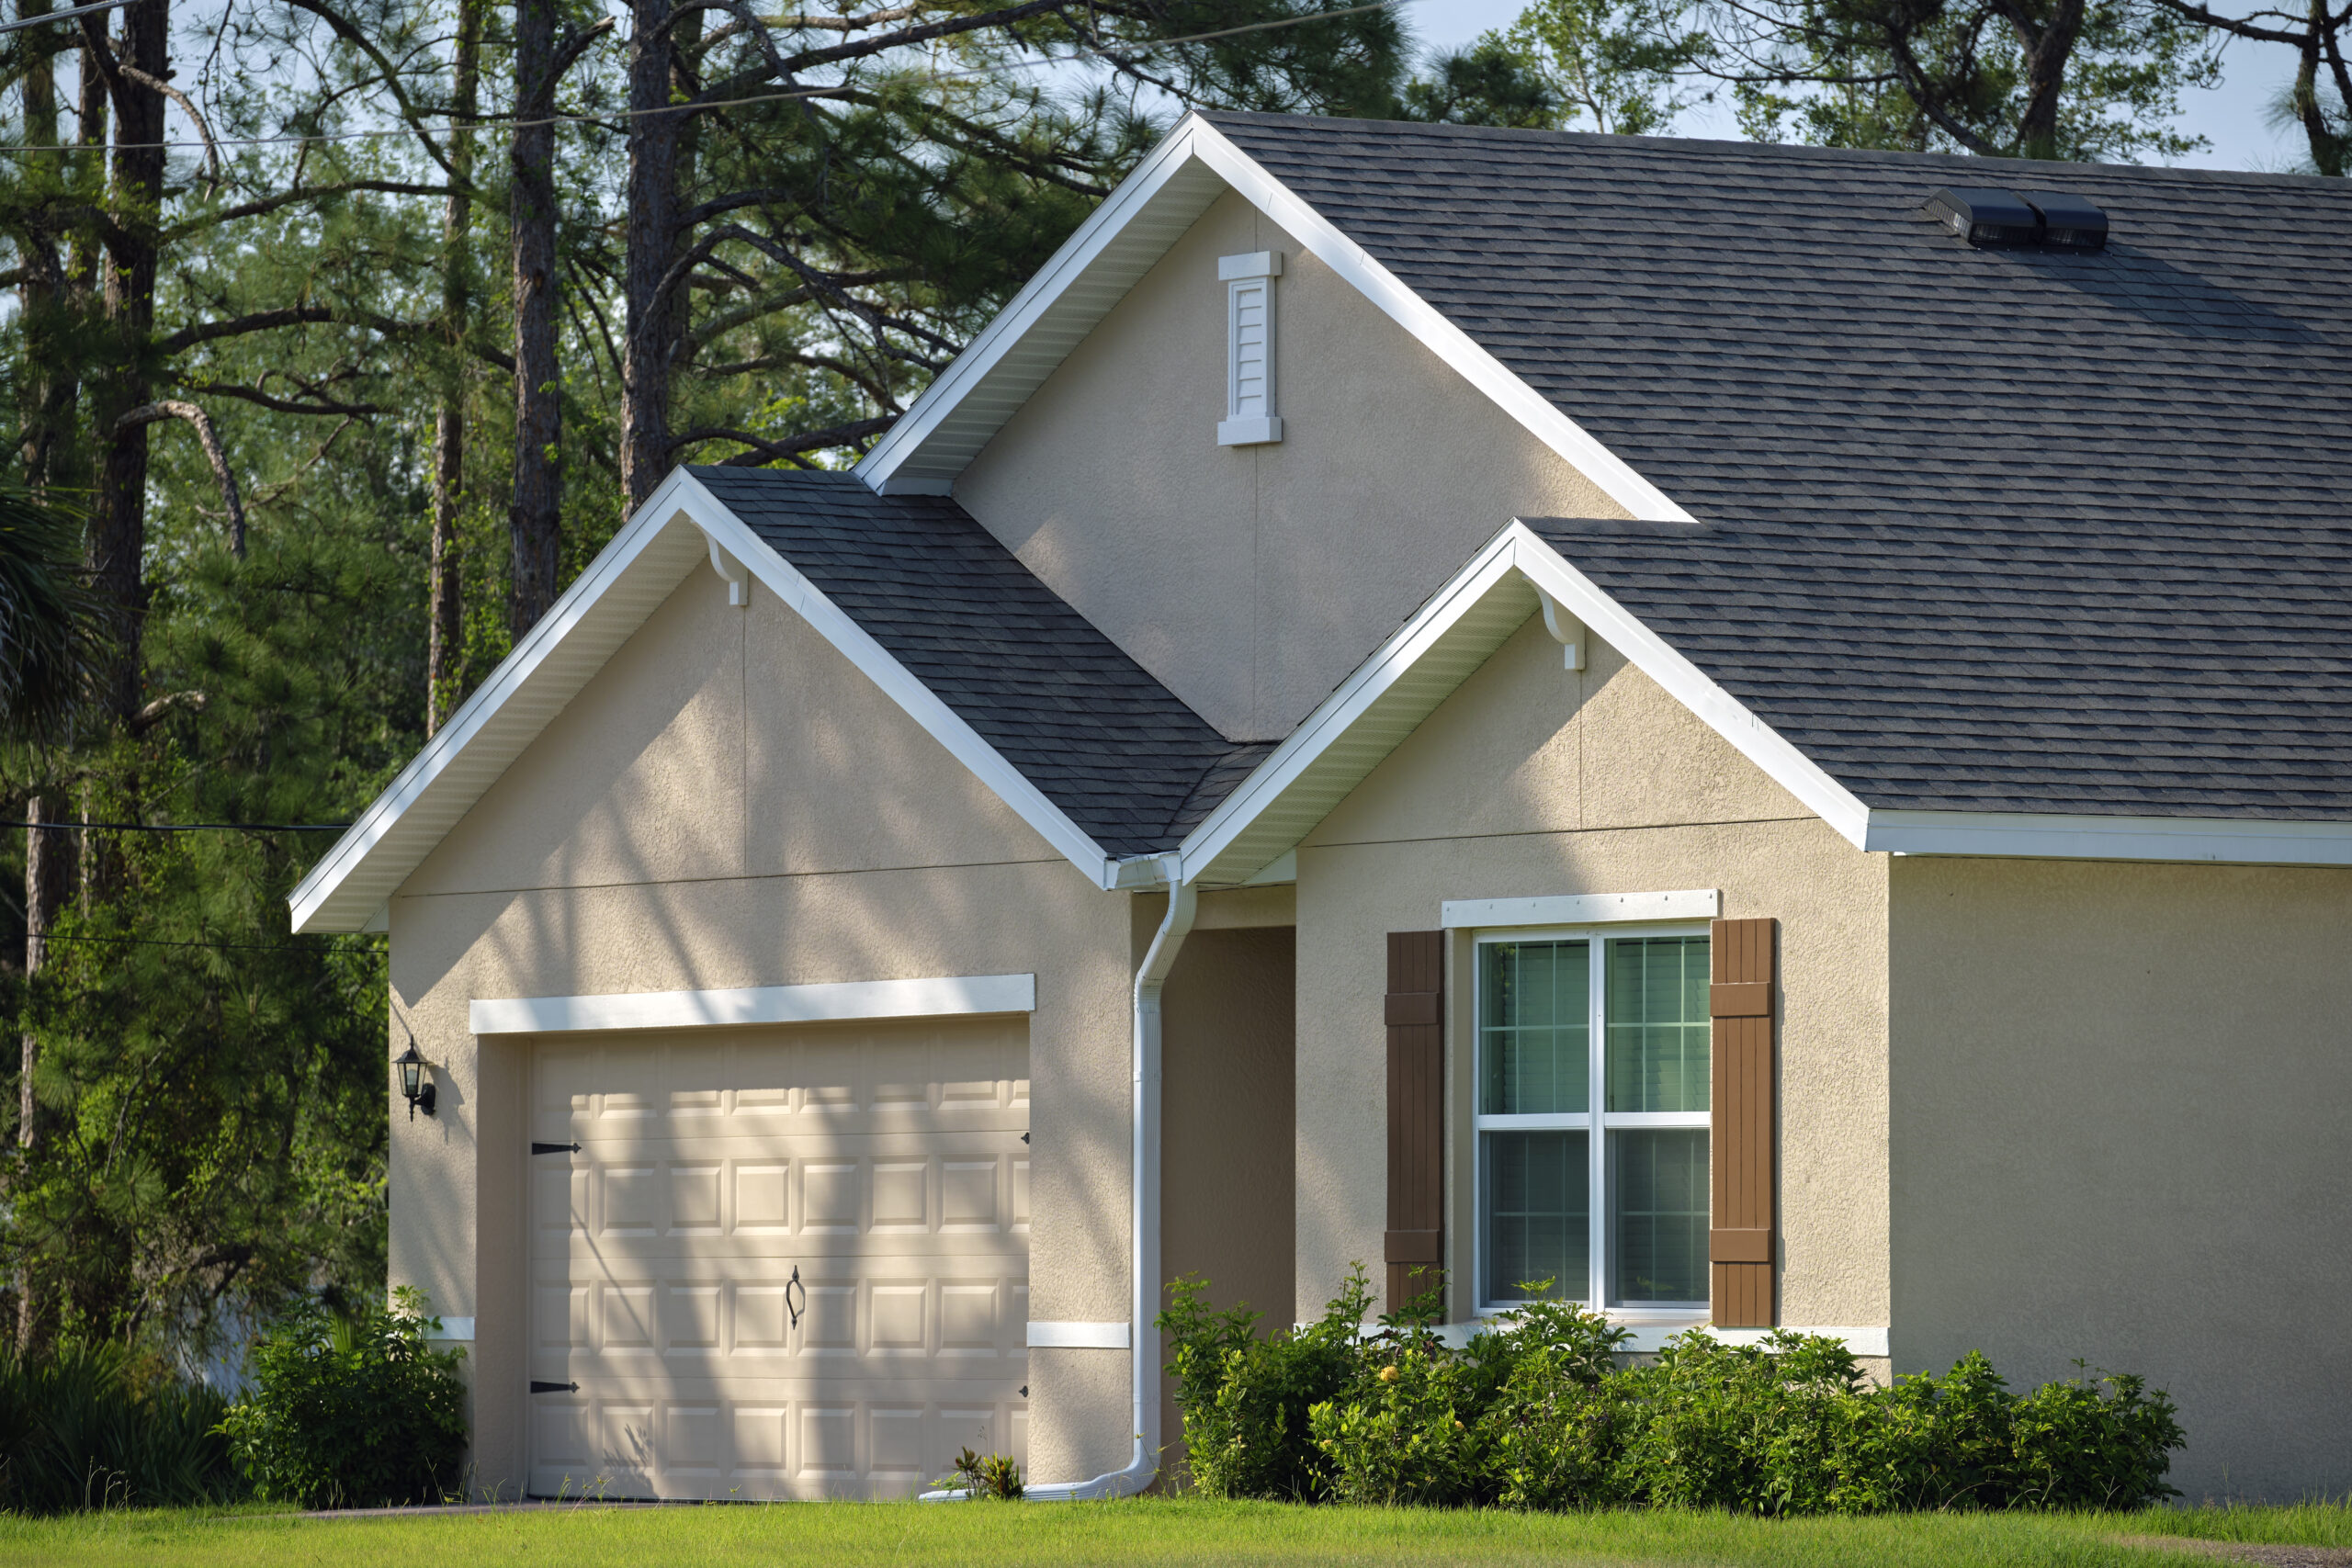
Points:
940	997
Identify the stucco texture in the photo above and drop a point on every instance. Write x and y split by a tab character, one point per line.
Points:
730	803
1530	781
2117	1112
1252	580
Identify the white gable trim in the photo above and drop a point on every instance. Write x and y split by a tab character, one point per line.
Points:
928	446
671	536
843	1001
1517	552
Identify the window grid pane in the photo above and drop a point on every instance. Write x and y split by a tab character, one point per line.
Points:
1658	1025
1536	1028
1657	1220
1538	1212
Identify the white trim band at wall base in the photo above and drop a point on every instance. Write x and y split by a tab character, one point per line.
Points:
1581	908
1078	1336
844	1001
456	1329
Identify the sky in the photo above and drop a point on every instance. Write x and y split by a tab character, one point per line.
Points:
2230	116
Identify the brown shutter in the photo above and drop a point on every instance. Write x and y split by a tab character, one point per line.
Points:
1415	1015
1740	1249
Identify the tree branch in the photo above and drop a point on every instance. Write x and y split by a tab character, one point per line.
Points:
148	413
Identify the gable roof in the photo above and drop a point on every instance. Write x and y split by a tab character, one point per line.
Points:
2012	531
1126	760
1976	552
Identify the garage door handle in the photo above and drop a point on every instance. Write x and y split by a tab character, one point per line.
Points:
789	1286
539	1386
538	1149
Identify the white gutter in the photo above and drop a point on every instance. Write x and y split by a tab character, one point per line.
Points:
1143	1341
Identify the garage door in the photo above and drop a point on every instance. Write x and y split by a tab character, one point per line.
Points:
788	1262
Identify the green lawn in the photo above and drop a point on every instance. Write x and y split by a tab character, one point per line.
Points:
1152	1531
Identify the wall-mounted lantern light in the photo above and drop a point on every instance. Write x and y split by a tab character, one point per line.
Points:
413	1083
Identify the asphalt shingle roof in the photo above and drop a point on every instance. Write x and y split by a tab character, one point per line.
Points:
1106	742
1980	530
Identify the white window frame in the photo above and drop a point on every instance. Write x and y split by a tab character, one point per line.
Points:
1596	1123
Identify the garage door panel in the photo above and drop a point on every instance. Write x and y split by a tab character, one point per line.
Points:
883	1163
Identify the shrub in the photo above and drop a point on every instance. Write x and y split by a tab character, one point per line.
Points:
352	1412
94	1426
1246	1399
1536	1412
993	1476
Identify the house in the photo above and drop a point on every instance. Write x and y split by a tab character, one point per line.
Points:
1762	733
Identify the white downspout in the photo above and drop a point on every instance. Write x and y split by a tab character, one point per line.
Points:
1143	1340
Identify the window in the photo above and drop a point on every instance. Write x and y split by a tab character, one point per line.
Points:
1591	1117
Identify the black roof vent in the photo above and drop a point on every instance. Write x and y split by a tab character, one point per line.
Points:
2068	222
1985	217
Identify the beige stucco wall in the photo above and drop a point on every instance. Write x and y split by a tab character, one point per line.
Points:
1533	779
1227	1071
1250	580
2118	1098
730	803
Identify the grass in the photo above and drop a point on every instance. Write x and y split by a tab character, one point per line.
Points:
1151	1531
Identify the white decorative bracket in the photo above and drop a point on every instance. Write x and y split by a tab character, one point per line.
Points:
1566	629
737	575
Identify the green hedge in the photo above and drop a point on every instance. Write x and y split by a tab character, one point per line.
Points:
1543	1411
92	1427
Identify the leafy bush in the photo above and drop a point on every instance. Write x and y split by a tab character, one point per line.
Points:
1537	1412
94	1426
352	1412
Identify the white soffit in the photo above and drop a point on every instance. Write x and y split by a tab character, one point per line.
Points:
671	536
843	1001
1135	225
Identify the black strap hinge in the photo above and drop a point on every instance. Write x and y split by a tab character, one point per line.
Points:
539	1148
540	1386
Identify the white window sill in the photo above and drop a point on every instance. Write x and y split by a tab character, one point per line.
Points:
1248	432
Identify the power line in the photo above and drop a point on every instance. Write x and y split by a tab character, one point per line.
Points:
452	127
65	826
217	946
60	16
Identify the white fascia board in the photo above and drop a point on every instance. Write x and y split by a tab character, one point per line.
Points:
1347	703
538	670
537	660
2035	835
1725	714
1581	908
883	465
891	466
944	996
1531	408
921	703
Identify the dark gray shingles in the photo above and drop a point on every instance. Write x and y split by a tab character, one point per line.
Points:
1103	739
1985	530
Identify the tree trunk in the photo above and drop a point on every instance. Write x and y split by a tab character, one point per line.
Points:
2047	47
444	629
654	314
118	509
535	518
40	294
44	890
